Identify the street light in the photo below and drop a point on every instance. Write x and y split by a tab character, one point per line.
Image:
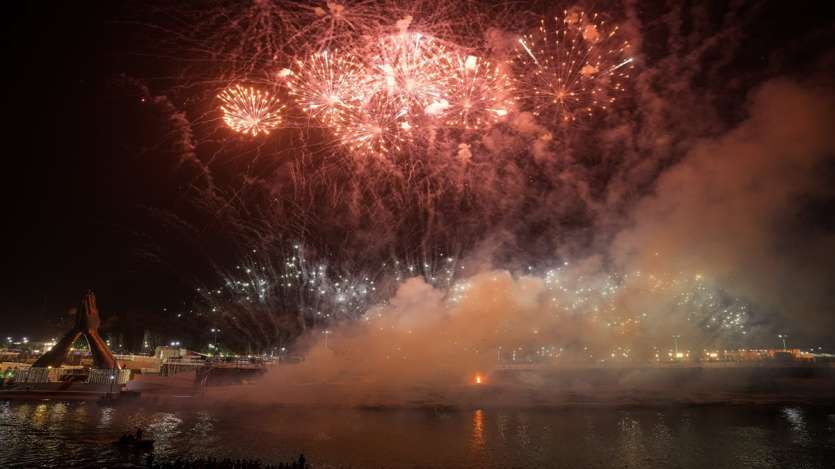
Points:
675	344
783	337
326	333
214	332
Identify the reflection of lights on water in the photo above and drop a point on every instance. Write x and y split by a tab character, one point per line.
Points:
165	428
478	440
40	415
106	418
796	420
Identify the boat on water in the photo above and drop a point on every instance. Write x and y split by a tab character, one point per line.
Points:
134	444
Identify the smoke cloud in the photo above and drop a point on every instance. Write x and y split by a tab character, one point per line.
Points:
741	207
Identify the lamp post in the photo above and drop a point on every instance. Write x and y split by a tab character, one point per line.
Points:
675	345
214	331
783	337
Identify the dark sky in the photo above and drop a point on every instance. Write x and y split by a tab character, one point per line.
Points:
72	179
77	176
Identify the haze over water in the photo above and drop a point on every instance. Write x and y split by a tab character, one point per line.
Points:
58	434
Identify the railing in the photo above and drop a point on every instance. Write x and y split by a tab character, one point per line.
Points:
215	362
58	375
133	356
184	361
173	366
98	376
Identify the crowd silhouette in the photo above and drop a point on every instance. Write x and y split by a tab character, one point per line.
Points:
213	463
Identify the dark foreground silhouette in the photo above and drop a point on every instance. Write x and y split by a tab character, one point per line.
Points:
212	463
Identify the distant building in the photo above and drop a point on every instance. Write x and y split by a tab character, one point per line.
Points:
165	352
757	355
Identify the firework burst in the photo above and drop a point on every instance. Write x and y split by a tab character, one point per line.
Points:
378	127
250	111
412	68
573	68
479	94
327	84
328	23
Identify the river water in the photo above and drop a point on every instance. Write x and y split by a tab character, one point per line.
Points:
62	434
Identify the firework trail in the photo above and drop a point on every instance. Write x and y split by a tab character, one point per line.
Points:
271	297
328	24
275	293
691	299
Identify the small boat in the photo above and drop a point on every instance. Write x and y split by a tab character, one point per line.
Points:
134	444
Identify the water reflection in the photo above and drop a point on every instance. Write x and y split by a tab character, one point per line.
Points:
204	426
40	414
477	441
523	431
661	439
77	434
58	412
80	411
794	416
631	441
106	417
165	428
501	426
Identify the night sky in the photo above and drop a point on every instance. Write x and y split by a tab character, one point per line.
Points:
85	172
74	177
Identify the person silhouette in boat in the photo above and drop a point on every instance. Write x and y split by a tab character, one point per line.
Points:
127	439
